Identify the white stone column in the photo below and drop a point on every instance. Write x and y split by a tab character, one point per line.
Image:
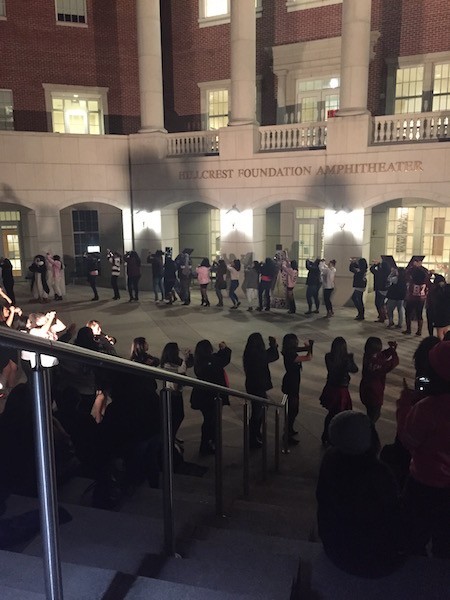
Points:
150	65
281	95
243	62
355	56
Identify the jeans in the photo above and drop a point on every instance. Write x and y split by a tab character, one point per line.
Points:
252	295
115	287
327	292
158	286
312	293
234	284
357	298
185	289
380	299
92	279
391	305
264	290
290	300
133	286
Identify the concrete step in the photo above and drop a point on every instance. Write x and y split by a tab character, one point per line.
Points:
419	578
146	589
260	574
22	578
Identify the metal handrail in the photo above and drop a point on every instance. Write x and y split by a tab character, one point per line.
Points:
44	438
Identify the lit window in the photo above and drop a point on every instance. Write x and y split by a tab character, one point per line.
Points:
400	234
2	8
85	233
217	12
441	87
79	113
436	238
316	98
71	11
293	5
217	108
6	110
409	90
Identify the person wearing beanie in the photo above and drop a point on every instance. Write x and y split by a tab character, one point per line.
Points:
424	429
359	514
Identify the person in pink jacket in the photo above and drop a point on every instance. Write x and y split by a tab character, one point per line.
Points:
424	429
204	278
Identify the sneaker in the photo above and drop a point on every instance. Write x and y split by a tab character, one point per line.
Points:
258	308
406	332
316	311
250	309
267	309
398	326
390	326
308	312
238	305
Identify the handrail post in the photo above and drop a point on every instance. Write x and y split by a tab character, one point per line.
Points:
219	457
246	453
264	443
46	474
167	472
277	440
285	429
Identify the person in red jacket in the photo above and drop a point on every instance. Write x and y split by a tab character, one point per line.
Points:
424	429
376	365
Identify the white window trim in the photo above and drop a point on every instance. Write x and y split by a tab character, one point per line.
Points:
3	16
58	90
204	21
294	5
211	86
69	24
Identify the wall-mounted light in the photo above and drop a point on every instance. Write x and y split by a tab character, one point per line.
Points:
233	213
235	220
148	220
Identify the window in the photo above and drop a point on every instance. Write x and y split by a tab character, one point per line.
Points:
315	98
293	5
2	8
400	234
85	233
217	115
436	238
310	236
71	11
441	87
78	111
217	12
408	90
6	110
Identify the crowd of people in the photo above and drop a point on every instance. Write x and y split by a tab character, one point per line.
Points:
373	509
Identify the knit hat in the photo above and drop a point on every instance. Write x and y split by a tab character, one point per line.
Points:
439	357
350	432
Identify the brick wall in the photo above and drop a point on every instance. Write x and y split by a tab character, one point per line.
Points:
34	49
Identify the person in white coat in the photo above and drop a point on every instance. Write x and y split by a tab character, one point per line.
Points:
327	274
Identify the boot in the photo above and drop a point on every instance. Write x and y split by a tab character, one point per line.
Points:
408	327
419	327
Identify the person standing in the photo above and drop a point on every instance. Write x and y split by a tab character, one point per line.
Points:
39	285
220	283
251	282
377	363
56	268
417	278
156	260
209	366
290	274
133	263
8	278
116	262
313	284
184	276
234	269
327	275
174	362
267	275
380	271
359	269
395	296
204	278
256	359
335	396
291	379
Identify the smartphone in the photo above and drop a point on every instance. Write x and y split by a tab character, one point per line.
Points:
422	384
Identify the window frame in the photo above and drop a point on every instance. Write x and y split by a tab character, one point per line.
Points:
72	23
205	88
440	94
204	21
86	93
12	108
295	5
320	95
2	10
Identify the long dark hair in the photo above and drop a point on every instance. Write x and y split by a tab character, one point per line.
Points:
290	343
85	339
205	263
237	264
420	356
138	351
338	352
171	354
372	346
202	355
255	350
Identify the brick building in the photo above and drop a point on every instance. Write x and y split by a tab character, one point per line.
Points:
226	125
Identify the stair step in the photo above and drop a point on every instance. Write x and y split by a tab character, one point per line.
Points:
419	578
260	575
25	575
145	589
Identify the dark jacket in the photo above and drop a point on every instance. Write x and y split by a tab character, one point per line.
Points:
380	274
212	371
397	289
291	380
257	373
338	373
359	275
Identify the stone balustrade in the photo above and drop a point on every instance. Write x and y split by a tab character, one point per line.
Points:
194	143
296	136
416	127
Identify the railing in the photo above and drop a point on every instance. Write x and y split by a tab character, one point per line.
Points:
195	143
46	475
299	136
417	127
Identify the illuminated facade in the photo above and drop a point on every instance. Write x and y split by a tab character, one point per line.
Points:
228	126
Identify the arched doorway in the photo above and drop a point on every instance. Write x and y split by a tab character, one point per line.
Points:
15	236
199	228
